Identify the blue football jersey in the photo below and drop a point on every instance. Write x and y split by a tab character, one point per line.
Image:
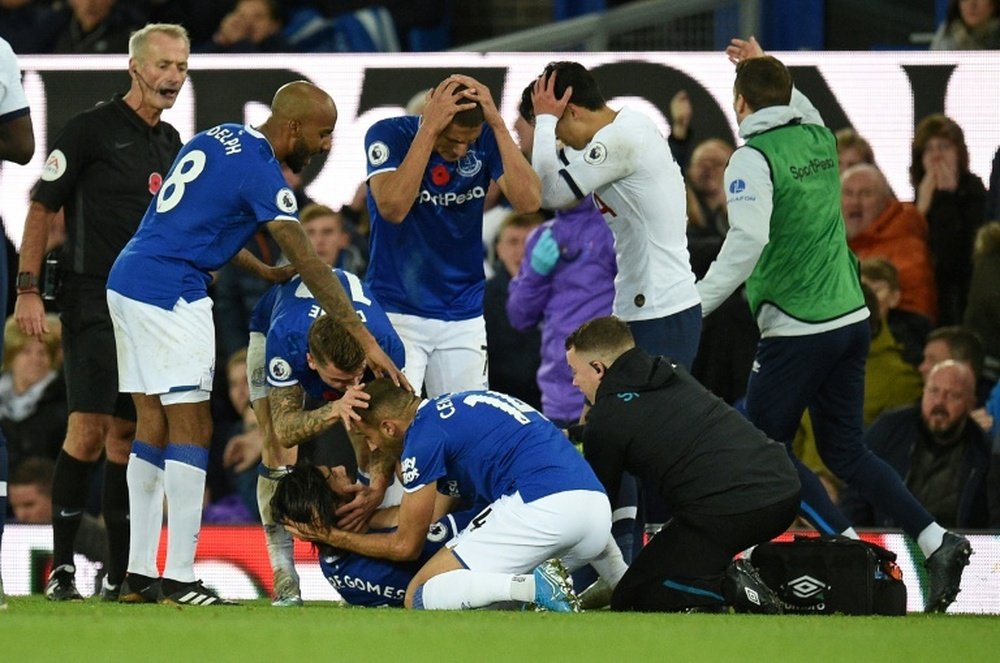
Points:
484	444
224	183
431	265
285	313
372	582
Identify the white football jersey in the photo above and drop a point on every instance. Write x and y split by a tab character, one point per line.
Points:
639	189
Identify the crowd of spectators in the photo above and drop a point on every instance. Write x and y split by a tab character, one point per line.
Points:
228	26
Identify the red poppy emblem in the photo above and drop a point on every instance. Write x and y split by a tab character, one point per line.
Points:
155	182
440	175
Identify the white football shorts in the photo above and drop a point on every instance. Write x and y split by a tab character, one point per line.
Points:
166	353
449	355
510	536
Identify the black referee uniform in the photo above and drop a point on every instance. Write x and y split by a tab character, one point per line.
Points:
726	484
104	168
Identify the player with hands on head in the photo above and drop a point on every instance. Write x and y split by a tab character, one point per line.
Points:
427	182
622	159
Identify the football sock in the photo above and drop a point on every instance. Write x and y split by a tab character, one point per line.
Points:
931	538
144	475
280	545
184	471
115	510
70	487
610	565
463	589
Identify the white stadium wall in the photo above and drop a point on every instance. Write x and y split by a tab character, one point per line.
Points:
233	560
880	94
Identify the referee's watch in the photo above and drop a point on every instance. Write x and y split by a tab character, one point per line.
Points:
27	282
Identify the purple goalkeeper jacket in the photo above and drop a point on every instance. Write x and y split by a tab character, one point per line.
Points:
579	288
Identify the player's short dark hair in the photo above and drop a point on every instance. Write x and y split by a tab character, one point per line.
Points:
331	343
470	117
964	345
526	107
607	335
763	82
386	400
586	91
34	471
880	269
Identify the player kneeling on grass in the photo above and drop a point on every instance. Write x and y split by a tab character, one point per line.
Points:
486	448
728	487
311	496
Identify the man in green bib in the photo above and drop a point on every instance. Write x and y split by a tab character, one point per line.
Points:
787	242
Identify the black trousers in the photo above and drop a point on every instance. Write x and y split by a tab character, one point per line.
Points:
683	566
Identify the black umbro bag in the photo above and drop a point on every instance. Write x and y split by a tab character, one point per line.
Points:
832	574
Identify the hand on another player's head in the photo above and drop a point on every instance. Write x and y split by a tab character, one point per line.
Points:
314	532
382	366
444	102
355	398
543	96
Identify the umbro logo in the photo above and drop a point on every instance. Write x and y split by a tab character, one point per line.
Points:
806	586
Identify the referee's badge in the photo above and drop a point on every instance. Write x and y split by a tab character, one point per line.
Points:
55	166
596	154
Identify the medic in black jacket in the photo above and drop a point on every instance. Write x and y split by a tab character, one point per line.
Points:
727	485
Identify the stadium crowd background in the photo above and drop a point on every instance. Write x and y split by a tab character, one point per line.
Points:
960	280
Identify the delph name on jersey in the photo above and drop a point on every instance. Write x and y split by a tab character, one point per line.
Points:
451	198
227	138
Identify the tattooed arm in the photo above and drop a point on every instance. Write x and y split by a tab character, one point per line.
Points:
293	424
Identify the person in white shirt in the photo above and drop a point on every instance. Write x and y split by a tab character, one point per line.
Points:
622	159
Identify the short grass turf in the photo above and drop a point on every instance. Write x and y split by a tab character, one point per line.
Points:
32	629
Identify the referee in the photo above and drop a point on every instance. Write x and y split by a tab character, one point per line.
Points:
105	166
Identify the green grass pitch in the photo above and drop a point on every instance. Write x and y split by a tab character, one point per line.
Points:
32	629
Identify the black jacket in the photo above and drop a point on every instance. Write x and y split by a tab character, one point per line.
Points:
892	437
655	421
